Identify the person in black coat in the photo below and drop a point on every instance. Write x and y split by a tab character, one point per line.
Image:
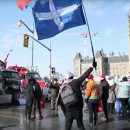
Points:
104	94
37	96
29	98
76	112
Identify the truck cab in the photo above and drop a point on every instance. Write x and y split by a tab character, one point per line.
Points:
27	75
24	74
10	83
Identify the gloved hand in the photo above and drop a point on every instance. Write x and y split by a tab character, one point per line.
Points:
94	64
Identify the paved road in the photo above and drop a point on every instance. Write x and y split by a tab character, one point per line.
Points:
12	118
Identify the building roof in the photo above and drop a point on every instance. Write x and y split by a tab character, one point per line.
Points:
116	59
87	60
113	59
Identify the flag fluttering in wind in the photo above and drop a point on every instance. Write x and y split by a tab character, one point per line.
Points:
22	3
5	60
54	16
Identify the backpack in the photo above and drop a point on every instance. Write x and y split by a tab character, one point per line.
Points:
68	96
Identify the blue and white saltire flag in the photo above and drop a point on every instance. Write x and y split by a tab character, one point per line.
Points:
54	16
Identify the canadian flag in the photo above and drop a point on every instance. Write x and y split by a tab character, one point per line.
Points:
22	3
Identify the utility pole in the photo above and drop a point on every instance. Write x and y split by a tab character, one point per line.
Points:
19	24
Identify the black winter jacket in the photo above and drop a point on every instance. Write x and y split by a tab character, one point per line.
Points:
104	89
76	83
38	91
29	92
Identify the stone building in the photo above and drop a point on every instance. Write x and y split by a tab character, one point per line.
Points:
111	65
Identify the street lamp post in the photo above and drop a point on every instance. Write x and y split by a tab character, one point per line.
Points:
10	51
19	24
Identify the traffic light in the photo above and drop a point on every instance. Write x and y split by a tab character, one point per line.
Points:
53	70
26	37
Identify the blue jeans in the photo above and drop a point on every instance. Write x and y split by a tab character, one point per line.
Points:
118	106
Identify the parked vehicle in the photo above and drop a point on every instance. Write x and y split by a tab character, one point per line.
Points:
24	74
9	86
46	79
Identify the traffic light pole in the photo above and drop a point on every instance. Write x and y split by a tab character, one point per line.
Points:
32	31
40	43
49	49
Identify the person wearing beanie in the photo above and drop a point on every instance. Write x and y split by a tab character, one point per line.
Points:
91	98
68	79
70	75
74	112
104	94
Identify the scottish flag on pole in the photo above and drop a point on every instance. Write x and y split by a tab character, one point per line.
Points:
54	16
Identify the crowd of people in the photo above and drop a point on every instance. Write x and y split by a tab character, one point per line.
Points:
114	97
112	94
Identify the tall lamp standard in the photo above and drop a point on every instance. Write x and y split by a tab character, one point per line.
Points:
10	51
19	24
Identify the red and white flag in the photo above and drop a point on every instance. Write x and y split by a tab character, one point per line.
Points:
5	60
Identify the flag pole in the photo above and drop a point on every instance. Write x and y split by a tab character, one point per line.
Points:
86	19
88	29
